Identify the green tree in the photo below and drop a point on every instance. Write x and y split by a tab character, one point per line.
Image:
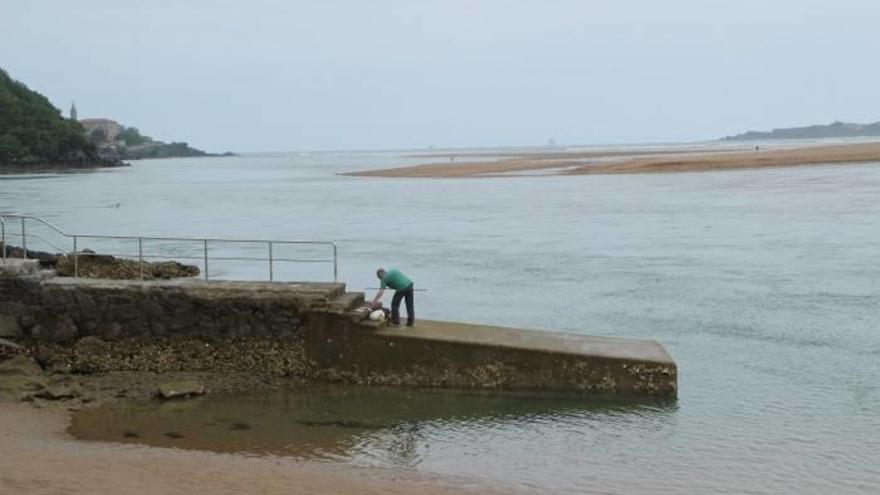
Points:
11	149
131	136
32	131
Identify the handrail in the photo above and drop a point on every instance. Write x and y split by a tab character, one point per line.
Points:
46	241
202	243
3	230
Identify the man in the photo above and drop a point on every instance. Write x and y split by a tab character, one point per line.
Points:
403	289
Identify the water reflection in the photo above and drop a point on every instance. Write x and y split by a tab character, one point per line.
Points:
387	425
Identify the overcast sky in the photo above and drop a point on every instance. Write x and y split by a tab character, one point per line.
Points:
332	74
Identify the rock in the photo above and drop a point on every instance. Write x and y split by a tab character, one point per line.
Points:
10	345
58	329
19	267
91	346
180	389
65	330
9	327
27	322
61	368
38	257
9	349
91	265
59	392
44	355
90	354
110	331
20	377
38	332
87	327
20	366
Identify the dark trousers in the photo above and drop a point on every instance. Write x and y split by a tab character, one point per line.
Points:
410	305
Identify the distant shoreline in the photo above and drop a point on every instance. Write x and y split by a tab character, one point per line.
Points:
617	162
138	155
833	130
56	167
69	167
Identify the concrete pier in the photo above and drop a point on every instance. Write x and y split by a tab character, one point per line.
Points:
448	354
304	330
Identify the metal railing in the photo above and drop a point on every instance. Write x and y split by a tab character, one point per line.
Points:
204	245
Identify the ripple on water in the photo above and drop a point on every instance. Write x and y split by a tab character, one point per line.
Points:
762	284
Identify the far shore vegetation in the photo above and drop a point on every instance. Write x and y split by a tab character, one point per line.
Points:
832	130
35	135
33	132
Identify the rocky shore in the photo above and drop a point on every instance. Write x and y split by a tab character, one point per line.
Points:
37	167
93	265
46	356
78	373
22	380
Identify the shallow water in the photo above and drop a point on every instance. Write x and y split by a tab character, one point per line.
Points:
763	284
363	426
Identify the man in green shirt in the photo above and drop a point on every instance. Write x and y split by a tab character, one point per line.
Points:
403	289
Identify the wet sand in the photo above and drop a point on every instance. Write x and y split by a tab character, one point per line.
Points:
576	163
38	457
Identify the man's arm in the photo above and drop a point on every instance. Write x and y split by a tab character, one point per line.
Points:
379	295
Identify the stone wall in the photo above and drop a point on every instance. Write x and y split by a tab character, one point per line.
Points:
113	310
85	325
300	330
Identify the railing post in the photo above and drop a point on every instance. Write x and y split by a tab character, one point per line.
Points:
335	265
141	257
271	267
23	240
75	259
206	259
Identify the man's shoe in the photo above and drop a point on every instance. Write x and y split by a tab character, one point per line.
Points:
410	323
394	323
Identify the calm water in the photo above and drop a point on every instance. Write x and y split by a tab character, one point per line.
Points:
764	285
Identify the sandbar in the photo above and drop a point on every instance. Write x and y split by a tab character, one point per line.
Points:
621	162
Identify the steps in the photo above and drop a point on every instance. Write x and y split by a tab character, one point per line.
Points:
346	302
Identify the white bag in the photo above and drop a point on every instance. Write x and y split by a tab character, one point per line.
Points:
377	315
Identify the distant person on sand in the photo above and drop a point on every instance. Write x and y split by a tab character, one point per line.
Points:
403	289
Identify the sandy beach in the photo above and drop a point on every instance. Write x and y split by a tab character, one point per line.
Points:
616	162
38	457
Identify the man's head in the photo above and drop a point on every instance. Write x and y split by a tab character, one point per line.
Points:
380	273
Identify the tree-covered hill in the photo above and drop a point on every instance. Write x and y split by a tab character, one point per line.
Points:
832	130
33	133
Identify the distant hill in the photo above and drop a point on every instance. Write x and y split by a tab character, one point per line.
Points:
33	133
159	149
112	138
833	130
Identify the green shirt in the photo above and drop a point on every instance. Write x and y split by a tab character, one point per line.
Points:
395	279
